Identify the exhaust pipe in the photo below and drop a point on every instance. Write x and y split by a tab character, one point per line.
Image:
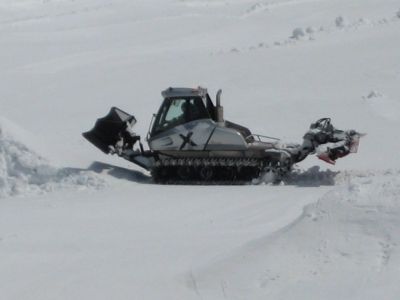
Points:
219	108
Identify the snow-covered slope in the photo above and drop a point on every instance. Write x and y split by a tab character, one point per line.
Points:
344	246
88	226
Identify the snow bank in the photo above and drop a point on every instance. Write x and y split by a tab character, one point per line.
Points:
23	171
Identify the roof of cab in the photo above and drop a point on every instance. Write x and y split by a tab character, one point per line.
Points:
184	92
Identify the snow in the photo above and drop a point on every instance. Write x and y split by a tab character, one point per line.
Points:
351	230
76	224
24	172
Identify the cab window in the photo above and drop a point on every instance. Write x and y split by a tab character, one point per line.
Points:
178	111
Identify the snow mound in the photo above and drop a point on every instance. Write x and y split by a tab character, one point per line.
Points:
311	30
341	22
298	33
374	94
23	171
256	8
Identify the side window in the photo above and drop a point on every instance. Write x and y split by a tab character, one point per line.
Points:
170	115
196	110
175	110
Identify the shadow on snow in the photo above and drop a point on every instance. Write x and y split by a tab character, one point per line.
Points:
312	177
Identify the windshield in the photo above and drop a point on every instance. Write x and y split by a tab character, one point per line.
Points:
177	111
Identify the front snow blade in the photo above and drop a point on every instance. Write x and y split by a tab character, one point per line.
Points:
108	130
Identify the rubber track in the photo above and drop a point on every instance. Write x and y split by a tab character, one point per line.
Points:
199	163
211	162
